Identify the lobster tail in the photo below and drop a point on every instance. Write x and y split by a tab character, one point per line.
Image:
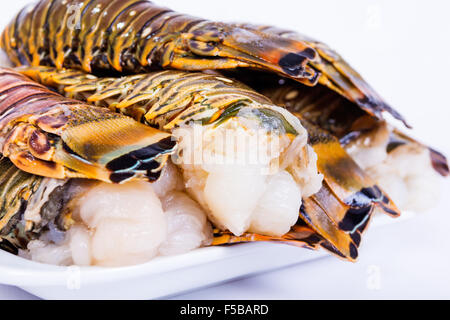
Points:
337	75
16	187
134	36
46	134
346	179
341	211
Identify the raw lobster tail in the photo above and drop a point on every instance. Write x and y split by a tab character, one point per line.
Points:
16	187
46	134
337	74
358	191
336	115
134	36
341	211
164	99
338	214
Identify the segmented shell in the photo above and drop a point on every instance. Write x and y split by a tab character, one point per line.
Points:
16	189
164	99
135	36
46	134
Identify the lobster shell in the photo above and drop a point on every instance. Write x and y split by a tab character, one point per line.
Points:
46	134
136	36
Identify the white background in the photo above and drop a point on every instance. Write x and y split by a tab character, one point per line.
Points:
402	49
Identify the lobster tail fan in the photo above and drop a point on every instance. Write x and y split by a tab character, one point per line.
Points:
344	177
288	57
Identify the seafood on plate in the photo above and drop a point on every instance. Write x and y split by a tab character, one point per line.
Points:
339	213
136	36
293	148
255	167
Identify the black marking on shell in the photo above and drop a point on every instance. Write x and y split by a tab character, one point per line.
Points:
69	150
8	246
354	218
309	53
364	225
356	237
353	251
305	215
313	240
121	177
394	143
292	64
153	176
328	246
142	159
122	163
365	197
350	137
389	211
150	152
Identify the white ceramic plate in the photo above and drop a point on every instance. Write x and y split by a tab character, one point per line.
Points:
159	278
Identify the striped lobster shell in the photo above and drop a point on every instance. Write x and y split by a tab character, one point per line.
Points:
46	134
134	36
16	187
